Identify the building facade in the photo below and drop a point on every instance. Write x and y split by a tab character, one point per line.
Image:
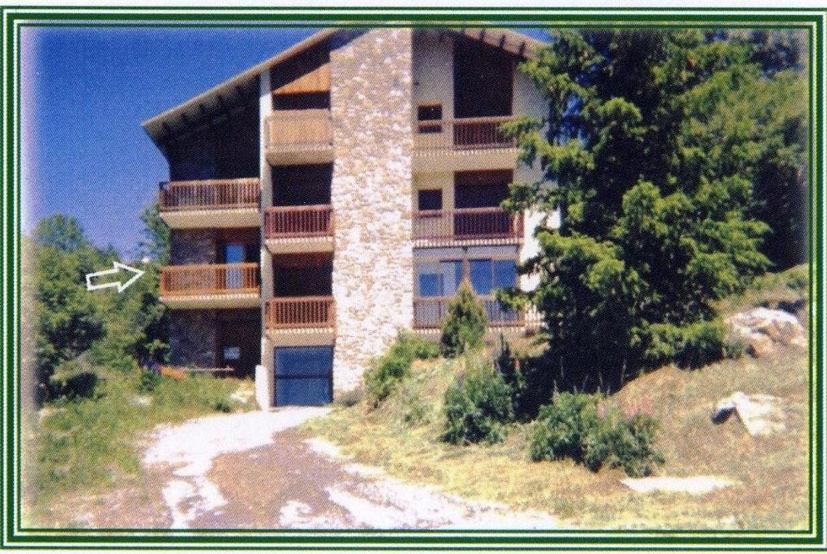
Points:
339	192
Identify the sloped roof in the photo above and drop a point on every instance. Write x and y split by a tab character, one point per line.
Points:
198	109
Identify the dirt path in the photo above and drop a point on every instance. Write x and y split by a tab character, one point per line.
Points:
254	470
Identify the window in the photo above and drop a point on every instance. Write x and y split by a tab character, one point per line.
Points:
439	278
487	275
429	112
430	199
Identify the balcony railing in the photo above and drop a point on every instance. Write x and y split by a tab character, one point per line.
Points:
300	312
467	224
212	194
429	311
299	130
298	221
469	133
209	279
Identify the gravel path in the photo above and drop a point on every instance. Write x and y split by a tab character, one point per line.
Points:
254	470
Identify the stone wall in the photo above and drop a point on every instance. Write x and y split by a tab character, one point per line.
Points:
192	246
192	335
371	106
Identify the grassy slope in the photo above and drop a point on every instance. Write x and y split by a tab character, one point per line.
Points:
402	437
88	446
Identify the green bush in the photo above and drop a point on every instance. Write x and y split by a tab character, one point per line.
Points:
477	405
222	405
571	428
689	347
73	379
626	443
562	428
464	325
148	381
381	380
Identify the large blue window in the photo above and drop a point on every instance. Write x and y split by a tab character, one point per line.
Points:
304	375
487	275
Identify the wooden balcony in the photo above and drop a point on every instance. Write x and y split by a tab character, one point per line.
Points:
463	144
210	203
300	320
429	312
295	229
299	137
201	286
469	226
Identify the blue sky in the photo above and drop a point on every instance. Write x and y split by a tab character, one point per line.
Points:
84	93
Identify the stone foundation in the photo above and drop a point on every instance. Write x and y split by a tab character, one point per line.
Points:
371	193
192	336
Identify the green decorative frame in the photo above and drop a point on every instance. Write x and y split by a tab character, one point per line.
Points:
16	17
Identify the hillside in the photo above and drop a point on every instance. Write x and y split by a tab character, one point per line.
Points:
769	473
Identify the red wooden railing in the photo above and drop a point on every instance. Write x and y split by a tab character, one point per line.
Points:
466	133
212	194
467	224
180	280
429	311
298	221
299	312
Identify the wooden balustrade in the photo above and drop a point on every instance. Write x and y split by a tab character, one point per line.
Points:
467	224
298	221
429	311
211	194
300	312
469	133
299	130
198	279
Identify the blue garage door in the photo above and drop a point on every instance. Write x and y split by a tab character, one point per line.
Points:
304	376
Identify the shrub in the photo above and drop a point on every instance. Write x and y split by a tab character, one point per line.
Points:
223	405
148	381
477	405
626	443
464	325
563	427
73	379
689	347
350	398
381	380
572	428
510	367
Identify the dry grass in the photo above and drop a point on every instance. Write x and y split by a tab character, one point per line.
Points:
402	437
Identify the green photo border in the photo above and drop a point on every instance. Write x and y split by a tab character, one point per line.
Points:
14	18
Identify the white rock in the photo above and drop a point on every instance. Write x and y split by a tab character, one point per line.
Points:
761	414
697	485
761	329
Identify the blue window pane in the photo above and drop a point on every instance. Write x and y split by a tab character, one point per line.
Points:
451	276
312	361
302	392
481	276
429	284
233	253
505	273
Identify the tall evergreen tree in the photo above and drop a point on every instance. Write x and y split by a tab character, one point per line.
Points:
654	180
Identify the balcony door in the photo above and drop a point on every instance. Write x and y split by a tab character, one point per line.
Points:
477	196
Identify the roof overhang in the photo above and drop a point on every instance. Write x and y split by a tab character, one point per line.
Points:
224	98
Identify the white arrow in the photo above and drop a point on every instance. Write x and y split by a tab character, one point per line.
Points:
116	267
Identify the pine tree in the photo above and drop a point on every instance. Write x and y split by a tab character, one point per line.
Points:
656	223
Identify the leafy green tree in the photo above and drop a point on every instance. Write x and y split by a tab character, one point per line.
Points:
654	229
464	325
60	232
156	235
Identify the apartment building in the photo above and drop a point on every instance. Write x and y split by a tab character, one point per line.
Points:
338	192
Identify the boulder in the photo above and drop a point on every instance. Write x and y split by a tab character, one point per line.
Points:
763	330
761	414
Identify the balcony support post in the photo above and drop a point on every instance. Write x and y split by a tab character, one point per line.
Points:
265	372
